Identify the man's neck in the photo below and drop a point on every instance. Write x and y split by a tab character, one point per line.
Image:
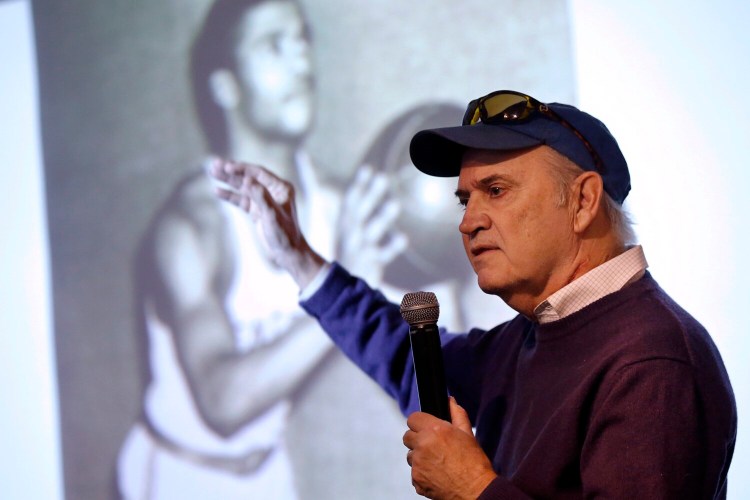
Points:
276	155
593	255
588	255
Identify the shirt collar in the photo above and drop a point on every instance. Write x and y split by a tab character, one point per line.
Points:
601	281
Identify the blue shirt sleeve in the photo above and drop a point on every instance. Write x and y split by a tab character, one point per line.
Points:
369	330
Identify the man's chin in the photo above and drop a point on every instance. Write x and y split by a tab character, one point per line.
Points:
290	132
298	115
493	282
490	287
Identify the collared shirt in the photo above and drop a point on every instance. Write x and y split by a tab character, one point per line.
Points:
607	278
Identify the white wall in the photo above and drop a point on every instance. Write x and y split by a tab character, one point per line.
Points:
29	464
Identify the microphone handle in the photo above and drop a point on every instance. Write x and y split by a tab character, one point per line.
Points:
428	367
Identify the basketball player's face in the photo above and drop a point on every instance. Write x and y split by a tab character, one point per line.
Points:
275	70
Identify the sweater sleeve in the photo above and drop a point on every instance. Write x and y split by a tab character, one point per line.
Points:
646	438
502	489
369	330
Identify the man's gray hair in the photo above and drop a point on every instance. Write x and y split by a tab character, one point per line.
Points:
565	172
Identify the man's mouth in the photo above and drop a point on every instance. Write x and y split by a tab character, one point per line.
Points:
477	250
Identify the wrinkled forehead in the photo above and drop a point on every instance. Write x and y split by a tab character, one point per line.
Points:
527	166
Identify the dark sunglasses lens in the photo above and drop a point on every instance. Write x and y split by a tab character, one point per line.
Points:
507	107
498	107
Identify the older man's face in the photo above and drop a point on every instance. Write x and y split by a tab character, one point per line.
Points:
517	236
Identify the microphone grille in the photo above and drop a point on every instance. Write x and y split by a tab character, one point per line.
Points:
420	308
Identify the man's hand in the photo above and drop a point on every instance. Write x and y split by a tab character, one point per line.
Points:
366	235
270	202
445	459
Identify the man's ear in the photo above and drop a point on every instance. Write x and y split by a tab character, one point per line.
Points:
224	88
588	192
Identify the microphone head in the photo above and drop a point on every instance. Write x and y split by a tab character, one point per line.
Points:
420	308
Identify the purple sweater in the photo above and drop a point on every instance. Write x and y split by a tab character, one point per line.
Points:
627	398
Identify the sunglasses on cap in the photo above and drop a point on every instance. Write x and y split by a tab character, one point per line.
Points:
509	107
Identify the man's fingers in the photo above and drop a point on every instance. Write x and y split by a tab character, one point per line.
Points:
381	222
410	439
229	195
235	198
224	194
213	167
227	172
367	201
251	197
237	174
459	417
360	185
419	420
393	247
366	192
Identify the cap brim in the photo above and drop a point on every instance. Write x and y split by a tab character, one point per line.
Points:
439	151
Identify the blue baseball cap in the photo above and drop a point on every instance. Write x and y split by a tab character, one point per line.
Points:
578	136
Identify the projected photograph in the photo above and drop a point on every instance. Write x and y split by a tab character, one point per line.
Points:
185	366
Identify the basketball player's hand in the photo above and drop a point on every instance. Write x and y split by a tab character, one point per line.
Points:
367	241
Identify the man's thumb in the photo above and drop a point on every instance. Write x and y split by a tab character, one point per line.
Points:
459	417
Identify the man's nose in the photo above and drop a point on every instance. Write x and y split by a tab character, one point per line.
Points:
300	56
475	219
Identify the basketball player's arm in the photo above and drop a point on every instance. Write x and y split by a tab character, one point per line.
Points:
230	387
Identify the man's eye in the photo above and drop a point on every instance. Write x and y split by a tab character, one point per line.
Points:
463	202
495	191
273	43
276	42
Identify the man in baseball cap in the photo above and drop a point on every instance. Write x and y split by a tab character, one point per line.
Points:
602	386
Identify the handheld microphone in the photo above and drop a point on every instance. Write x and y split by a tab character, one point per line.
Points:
421	310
